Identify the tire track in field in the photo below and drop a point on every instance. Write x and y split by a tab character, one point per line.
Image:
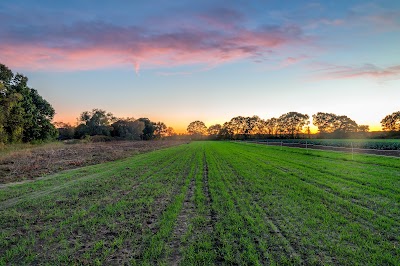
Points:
274	227
211	216
37	194
182	224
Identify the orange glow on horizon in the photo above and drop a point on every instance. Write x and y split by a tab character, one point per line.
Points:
180	126
375	127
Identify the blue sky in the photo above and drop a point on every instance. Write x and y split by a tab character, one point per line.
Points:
180	61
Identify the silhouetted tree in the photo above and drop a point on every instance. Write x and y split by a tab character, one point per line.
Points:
81	131
65	131
331	123
344	124
391	122
325	122
149	127
363	128
240	126
197	128
214	130
160	129
128	128
226	131
256	125
292	123
169	132
271	126
97	122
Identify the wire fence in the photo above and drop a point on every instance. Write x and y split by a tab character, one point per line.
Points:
394	153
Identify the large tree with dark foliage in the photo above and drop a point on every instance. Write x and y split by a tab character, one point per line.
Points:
95	122
197	128
149	127
24	115
338	124
292	123
214	130
160	130
391	122
128	128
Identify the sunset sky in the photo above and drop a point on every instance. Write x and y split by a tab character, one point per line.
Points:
180	61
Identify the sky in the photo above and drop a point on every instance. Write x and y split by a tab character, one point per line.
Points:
181	61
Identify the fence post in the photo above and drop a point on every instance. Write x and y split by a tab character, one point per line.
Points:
306	146
281	144
352	151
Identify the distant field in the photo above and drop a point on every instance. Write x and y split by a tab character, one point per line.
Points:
380	144
209	203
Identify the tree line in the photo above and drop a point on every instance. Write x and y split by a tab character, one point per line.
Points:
98	122
289	125
26	117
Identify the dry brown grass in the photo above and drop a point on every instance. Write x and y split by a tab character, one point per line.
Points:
31	162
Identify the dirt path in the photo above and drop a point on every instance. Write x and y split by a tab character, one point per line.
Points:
41	193
182	225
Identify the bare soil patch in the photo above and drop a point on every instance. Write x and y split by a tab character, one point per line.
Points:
34	162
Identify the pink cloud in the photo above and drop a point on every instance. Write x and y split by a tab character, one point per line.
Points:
94	45
293	60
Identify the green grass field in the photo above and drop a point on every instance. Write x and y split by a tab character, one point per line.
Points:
209	203
379	144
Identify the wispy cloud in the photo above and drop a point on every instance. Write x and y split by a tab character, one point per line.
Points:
368	16
363	71
372	15
291	60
